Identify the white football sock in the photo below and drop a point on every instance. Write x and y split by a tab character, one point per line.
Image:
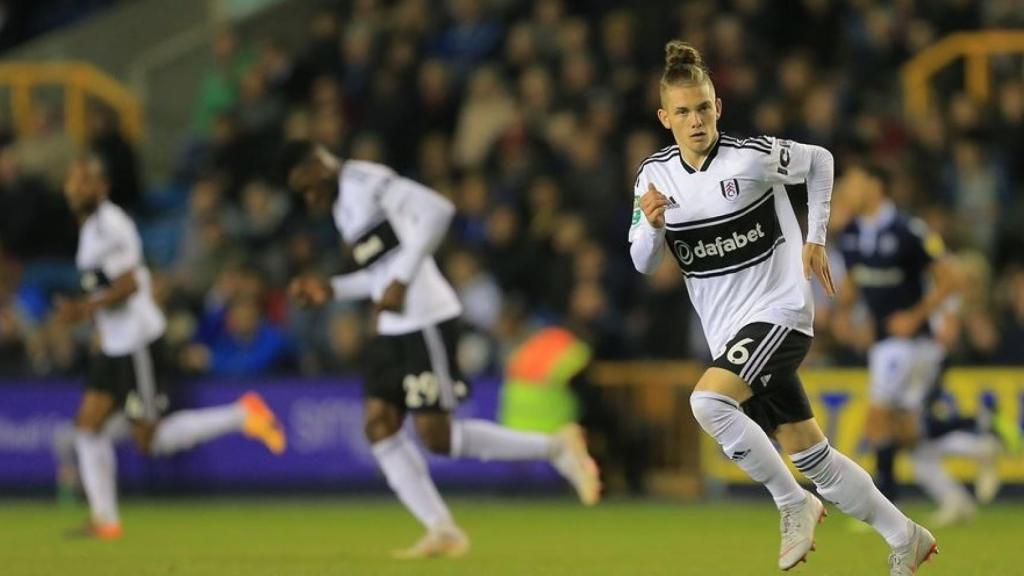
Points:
933	478
183	430
65	447
98	470
845	484
489	441
407	474
747	445
960	443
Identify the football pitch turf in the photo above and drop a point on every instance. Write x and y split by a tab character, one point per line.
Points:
510	536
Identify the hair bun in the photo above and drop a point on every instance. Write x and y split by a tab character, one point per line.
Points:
679	54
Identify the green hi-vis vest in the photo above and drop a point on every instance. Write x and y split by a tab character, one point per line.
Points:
536	394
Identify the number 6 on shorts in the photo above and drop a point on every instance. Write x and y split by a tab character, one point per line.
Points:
738	353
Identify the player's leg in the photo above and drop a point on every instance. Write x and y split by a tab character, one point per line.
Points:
164	435
840	480
388	366
890	365
184	429
408	476
116	429
716	404
97	463
485	440
480	439
66	461
879	435
403	465
742	432
844	483
955	503
983	438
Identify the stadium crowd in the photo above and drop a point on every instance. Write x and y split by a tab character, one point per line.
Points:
532	118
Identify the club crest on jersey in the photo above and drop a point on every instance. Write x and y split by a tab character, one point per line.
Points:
730	189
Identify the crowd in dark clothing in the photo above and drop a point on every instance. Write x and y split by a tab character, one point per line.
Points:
532	117
23	20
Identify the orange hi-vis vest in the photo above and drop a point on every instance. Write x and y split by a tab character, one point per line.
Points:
536	393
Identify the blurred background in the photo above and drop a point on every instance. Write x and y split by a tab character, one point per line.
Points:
532	117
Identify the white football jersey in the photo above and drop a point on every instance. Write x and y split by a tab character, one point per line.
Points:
393	225
732	231
109	247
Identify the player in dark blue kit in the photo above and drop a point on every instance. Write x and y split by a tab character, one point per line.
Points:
901	273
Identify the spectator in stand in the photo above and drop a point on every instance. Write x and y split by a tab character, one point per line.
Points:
46	150
533	118
118	155
1012	329
484	116
480	295
261	226
320	56
511	258
13	324
978	314
207	230
219	89
470	39
249	345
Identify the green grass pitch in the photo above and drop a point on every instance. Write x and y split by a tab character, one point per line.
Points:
510	536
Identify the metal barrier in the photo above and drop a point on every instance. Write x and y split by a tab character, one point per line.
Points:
976	48
79	81
684	457
659	394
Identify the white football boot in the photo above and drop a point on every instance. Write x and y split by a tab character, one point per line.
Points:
447	541
905	560
570	457
797	525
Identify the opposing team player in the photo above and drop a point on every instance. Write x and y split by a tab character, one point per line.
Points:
393	225
718	205
126	374
901	272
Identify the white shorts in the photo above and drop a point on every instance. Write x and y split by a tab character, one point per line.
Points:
903	371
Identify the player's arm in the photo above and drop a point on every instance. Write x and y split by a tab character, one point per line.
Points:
120	264
647	229
792	163
79	309
846	298
429	214
946	281
314	290
118	293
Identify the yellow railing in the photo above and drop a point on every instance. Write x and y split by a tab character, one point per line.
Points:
658	392
976	48
80	81
839	398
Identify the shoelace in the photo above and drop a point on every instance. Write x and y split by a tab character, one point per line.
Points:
895	560
790	522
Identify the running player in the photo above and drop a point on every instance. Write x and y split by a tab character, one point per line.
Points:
902	274
393	225
719	206
126	374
